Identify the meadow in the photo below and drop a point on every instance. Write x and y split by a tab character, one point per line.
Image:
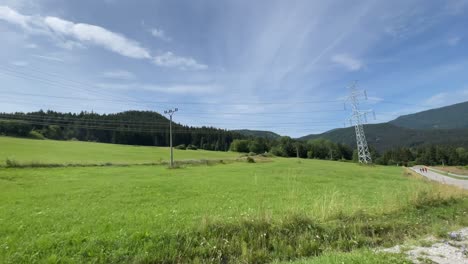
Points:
75	152
276	209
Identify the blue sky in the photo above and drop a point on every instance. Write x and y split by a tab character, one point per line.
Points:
283	66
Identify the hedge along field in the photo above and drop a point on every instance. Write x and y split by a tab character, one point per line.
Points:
77	152
239	212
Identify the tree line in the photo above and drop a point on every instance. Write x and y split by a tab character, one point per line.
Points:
430	155
144	128
152	129
288	147
327	150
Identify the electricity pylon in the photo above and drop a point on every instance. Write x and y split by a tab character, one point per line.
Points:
357	119
170	112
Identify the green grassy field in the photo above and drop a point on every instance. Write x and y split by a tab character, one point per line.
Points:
74	152
274	210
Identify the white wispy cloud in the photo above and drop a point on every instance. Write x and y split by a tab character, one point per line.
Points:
374	99
444	98
169	59
456	7
159	33
167	89
345	60
99	36
70	35
119	74
31	46
437	99
184	88
453	41
49	58
20	63
9	15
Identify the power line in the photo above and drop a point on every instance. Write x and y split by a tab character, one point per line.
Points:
145	124
82	87
13	72
105	119
192	131
188	114
123	129
18	74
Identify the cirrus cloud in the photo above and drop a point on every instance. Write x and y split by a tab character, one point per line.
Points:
69	35
119	74
169	59
166	89
159	33
345	60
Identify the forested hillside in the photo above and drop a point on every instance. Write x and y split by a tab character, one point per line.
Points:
258	133
388	136
441	126
449	117
131	127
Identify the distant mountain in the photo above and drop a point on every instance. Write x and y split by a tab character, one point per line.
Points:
453	116
387	136
446	125
257	133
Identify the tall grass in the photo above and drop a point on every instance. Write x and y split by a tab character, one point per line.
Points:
294	237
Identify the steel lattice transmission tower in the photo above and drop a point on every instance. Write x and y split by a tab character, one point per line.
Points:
358	118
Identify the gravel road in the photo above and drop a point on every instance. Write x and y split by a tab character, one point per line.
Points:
441	178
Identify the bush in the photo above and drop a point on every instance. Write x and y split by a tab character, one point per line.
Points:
11	163
252	154
192	147
250	160
35	135
183	147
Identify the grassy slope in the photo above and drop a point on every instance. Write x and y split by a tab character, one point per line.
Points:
180	198
119	213
154	214
51	151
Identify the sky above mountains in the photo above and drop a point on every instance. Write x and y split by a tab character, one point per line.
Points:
283	66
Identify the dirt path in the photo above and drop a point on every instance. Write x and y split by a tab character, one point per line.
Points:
441	178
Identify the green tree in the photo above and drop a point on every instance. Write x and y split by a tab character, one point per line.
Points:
240	145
